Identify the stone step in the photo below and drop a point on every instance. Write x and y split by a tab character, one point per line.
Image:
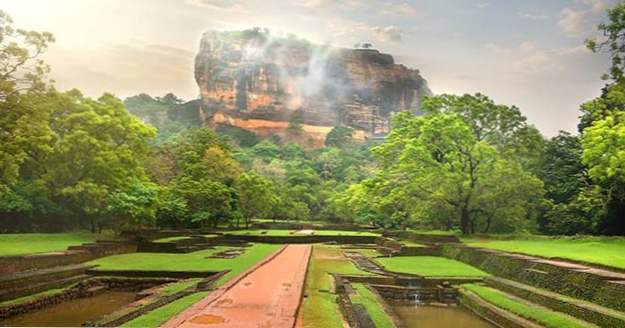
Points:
25	278
526	322
10	294
587	311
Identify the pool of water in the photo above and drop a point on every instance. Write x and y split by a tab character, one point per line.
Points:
74	312
439	317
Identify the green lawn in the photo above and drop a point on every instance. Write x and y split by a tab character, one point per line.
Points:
320	308
261	232
170	239
429	266
28	243
276	232
543	316
190	261
344	233
196	261
161	315
600	250
375	310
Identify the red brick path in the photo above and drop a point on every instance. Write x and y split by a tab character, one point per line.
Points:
267	295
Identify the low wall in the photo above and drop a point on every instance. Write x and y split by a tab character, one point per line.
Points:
420	237
491	313
577	284
77	254
304	239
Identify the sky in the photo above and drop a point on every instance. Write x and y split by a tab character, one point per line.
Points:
528	53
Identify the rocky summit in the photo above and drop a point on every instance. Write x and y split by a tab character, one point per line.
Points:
298	90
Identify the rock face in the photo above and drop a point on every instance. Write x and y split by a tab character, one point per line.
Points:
298	90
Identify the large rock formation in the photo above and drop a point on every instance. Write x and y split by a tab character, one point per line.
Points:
298	90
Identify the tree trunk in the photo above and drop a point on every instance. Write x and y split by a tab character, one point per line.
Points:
465	221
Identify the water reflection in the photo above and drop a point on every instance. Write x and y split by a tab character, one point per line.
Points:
438	317
74	312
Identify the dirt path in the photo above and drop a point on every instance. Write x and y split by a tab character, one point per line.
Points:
267	295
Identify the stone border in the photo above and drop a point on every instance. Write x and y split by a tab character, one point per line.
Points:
491	313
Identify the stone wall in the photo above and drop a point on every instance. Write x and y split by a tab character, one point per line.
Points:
578	284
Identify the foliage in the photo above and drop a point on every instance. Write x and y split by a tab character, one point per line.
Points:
255	197
340	137
23	129
136	204
612	41
438	160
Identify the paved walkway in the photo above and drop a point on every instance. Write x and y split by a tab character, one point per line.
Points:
267	295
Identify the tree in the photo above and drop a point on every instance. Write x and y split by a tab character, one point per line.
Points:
23	127
439	161
255	197
340	137
98	149
209	202
612	41
503	127
561	167
135	205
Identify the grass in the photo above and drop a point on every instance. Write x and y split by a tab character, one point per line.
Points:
320	308
170	239
196	261
543	316
370	301
273	232
595	250
344	233
280	233
26	299
429	266
161	315
411	243
368	252
30	243
180	286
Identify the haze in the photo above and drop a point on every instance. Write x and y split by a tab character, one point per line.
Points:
526	53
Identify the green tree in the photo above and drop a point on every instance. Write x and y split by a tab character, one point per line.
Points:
437	161
503	127
135	205
612	41
23	126
98	149
255	197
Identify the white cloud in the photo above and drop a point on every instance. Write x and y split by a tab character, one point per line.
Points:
482	4
579	18
225	5
533	16
317	4
400	9
389	33
530	58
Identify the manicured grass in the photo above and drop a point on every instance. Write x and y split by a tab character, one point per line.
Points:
529	311
276	232
411	243
161	315
344	233
320	308
170	239
375	310
29	243
262	232
26	299
435	232
196	261
368	252
600	250
180	286
429	266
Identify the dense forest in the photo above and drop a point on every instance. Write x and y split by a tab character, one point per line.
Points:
464	163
